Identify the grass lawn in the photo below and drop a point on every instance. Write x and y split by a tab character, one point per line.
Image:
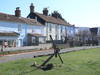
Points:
84	62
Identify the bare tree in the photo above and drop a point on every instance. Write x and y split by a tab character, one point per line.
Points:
83	37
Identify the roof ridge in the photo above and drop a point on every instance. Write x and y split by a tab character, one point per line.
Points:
52	19
12	18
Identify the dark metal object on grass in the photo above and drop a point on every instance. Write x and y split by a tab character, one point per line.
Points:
44	66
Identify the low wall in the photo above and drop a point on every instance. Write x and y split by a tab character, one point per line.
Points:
40	46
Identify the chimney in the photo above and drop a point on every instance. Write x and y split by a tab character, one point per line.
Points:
17	12
45	11
31	8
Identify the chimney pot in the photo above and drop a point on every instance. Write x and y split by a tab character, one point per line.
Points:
17	12
45	11
31	7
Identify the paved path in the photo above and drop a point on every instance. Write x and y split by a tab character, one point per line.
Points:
12	57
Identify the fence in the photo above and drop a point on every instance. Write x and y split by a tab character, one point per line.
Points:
40	46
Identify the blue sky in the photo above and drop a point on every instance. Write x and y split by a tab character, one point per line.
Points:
84	13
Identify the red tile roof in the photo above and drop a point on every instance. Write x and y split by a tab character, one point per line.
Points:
52	19
12	18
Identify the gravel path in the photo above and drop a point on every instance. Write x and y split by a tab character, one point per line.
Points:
12	57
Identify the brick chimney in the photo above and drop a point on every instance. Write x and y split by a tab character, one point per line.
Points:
31	8
45	11
17	12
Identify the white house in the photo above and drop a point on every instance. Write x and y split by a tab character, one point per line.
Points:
55	26
16	30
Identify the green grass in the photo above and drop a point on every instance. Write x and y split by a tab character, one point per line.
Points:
85	62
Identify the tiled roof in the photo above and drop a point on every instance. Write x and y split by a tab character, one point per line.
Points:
12	18
35	34
9	34
52	19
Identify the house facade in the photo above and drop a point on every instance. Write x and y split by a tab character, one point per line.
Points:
16	31
89	36
56	27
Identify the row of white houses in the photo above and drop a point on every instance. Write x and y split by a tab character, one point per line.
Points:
56	27
16	31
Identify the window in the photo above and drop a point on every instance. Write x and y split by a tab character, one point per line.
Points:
56	28
99	32
19	27
56	37
61	37
50	27
33	40
61	29
1	42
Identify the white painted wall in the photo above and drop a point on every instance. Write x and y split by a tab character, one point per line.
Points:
24	30
13	27
36	29
51	30
59	30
